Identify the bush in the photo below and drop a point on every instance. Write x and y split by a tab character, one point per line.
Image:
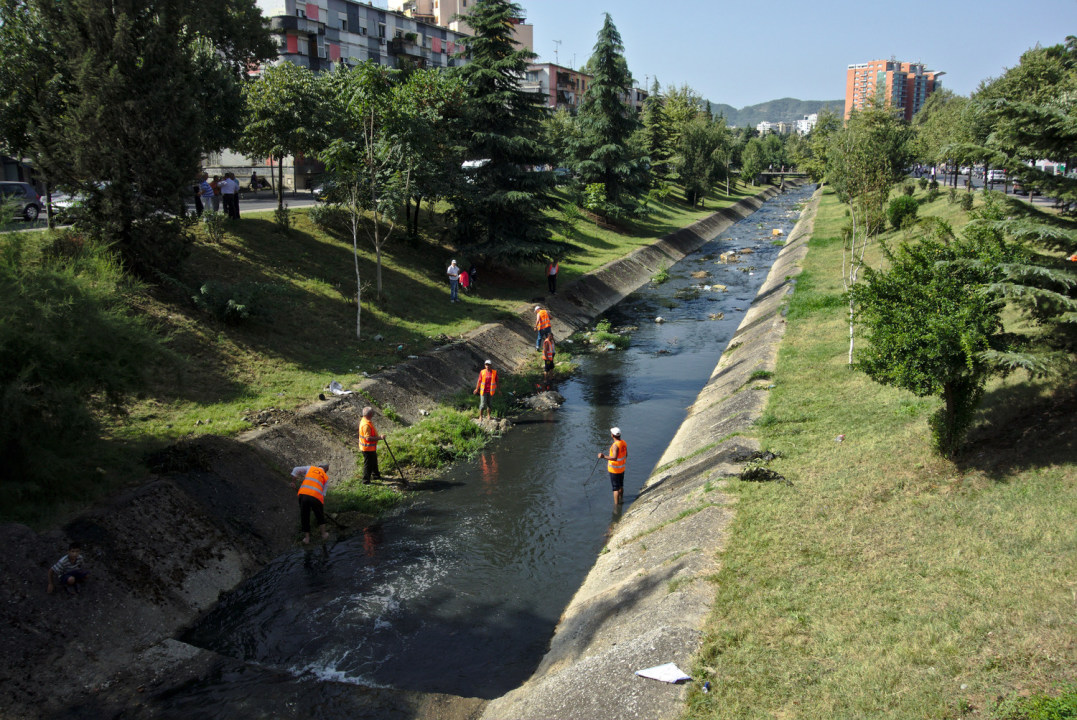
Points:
933	185
951	196
282	216
1040	707
922	182
213	222
908	188
662	275
902	211
440	438
70	349
232	303
966	202
932	195
328	217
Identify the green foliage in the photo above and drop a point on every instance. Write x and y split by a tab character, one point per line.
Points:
603	326
928	320
662	275
500	213
951	196
232	303
602	151
213	223
353	496
594	197
908	188
700	157
1040	707
69	350
123	100
922	182
902	211
932	194
328	217
966	202
439	439
282	216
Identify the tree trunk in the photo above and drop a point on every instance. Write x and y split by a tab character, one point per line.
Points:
280	182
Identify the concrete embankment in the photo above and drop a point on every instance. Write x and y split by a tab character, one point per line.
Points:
216	510
646	598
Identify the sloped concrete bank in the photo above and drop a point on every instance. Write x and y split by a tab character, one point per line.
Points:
646	598
217	510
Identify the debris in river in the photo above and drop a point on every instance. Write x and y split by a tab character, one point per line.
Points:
659	319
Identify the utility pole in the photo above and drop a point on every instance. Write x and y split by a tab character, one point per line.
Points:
557	44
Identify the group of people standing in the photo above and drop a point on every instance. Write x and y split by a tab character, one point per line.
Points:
217	193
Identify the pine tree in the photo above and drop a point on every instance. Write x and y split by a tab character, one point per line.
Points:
603	153
656	133
499	211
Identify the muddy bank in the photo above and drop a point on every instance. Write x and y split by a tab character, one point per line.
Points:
646	598
216	510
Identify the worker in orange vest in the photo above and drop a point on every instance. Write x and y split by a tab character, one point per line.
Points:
312	496
368	443
542	326
485	389
548	352
615	464
551	276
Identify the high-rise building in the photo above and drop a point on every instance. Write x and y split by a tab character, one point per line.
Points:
895	84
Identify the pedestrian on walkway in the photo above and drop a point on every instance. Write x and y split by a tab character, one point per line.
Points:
368	443
215	184
206	189
312	496
230	195
542	326
615	464
551	276
486	388
548	352
454	280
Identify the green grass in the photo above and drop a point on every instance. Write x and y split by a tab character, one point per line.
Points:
888	582
297	329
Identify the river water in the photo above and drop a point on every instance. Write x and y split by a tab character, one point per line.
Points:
459	590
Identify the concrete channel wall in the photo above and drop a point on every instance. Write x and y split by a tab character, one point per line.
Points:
644	602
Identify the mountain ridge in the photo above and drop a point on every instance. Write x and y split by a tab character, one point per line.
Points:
780	110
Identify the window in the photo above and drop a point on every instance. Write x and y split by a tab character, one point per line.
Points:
344	25
381	30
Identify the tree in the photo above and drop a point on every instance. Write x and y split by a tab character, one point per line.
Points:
285	115
753	160
135	96
499	211
656	131
931	320
864	160
814	162
702	152
603	152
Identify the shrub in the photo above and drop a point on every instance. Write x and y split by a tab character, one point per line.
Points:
951	196
328	217
932	195
902	211
662	275
908	188
282	216
440	438
966	202
231	303
213	222
933	185
922	182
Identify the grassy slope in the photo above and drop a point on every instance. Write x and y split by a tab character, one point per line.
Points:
888	583
226	374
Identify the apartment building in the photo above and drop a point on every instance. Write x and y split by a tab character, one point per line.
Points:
562	86
779	128
896	84
319	33
806	124
445	13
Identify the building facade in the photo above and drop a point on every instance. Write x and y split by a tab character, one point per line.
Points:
896	84
806	124
319	33
445	13
562	87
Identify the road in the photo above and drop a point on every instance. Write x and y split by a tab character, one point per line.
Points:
945	181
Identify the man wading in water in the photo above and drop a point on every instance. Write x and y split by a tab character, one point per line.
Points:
616	465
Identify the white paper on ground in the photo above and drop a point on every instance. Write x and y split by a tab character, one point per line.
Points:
666	673
337	389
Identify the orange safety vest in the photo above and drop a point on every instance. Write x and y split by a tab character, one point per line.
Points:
547	348
543	322
552	268
487	384
367	435
617	454
314	483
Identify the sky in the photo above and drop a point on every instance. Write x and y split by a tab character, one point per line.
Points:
749	51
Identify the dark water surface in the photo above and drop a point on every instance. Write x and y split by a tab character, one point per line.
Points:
459	590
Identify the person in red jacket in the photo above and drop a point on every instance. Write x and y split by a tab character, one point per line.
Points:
485	388
615	464
312	496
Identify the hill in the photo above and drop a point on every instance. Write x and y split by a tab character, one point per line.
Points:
783	110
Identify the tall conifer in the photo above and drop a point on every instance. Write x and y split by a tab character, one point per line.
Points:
499	210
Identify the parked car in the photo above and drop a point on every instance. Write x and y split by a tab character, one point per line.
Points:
1020	187
996	176
25	198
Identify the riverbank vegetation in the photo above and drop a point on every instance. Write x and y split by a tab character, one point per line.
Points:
889	581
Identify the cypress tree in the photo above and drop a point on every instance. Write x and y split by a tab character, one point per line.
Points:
499	210
603	153
656	134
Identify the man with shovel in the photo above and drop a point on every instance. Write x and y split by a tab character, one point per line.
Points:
368	443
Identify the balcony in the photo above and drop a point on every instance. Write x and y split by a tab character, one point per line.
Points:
287	22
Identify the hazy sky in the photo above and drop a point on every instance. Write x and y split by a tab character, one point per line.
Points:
749	51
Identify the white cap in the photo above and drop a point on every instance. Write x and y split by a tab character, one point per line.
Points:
487	363
615	431
452	262
537	308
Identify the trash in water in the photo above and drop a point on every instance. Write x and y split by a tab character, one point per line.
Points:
669	673
659	319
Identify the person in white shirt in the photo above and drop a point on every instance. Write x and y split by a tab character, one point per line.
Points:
454	281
